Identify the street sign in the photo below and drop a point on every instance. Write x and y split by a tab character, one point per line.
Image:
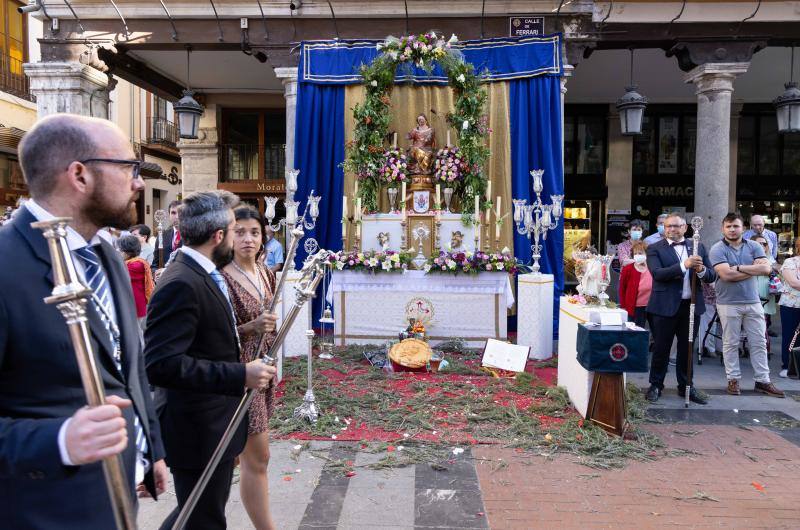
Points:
525	26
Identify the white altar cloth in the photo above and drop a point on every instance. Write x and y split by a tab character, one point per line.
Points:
371	308
571	375
535	314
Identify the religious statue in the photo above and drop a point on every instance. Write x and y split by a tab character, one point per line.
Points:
423	142
383	240
456	240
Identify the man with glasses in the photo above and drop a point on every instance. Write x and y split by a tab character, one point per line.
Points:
51	443
737	262
671	263
758	228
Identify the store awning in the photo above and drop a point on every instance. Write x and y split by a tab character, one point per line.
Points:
10	138
151	170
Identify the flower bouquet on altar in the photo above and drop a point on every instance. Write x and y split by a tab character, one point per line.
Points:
471	263
370	261
394	168
449	166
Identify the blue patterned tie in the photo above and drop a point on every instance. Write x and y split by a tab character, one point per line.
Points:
98	281
223	286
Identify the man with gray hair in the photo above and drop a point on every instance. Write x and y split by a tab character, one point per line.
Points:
51	443
758	228
658	235
192	351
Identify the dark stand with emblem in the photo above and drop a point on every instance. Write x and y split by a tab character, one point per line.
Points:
609	352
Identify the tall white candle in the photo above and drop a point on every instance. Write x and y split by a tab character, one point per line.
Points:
448	137
403	196
357	213
344	207
489	191
477	207
355	189
497	223
394	140
438	192
344	228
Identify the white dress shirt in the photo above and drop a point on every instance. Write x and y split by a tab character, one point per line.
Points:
683	253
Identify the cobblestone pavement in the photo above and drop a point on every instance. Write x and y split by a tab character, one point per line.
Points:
745	475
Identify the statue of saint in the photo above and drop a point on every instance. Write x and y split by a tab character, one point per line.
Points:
423	142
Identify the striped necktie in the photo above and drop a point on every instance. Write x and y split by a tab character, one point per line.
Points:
98	281
223	286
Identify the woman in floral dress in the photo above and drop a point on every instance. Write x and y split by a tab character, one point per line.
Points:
251	287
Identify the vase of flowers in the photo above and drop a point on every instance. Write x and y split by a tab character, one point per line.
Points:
449	166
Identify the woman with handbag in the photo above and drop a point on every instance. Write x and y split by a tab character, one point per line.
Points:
789	305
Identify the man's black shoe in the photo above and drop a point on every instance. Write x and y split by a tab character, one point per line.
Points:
694	396
653	393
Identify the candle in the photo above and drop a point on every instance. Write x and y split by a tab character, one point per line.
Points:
355	189
489	191
497	220
357	213
497	207
394	140
448	137
438	192
358	230
403	196
344	228
477	207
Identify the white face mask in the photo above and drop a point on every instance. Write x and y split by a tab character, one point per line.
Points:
639	258
636	235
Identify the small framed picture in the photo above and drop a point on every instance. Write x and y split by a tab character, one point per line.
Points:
422	201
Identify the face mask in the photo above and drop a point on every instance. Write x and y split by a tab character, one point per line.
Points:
636	235
639	258
660	229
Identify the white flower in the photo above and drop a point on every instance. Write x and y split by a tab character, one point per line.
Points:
386	265
393	55
453	39
373	262
461	78
427	268
506	251
465	125
498	266
374	83
451	264
433	35
340	265
421	63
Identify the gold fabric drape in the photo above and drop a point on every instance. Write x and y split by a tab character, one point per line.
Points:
408	101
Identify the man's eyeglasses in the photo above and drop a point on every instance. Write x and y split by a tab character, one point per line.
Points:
673	226
137	164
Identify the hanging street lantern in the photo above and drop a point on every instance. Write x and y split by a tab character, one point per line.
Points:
631	108
187	108
787	105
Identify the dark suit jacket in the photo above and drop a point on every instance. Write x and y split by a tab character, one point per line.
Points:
40	387
192	353
665	267
166	238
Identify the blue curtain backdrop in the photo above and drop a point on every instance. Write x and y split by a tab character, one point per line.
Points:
532	67
535	108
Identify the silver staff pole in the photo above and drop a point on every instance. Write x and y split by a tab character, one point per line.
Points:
697	225
312	273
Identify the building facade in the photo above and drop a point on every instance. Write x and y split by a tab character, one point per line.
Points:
710	71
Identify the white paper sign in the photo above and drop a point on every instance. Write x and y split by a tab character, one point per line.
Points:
506	356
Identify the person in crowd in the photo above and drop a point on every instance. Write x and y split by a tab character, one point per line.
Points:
51	443
658	235
142	233
624	254
708	333
171	237
193	357
140	273
762	282
737	263
273	255
635	284
758	228
252	287
789	304
672	263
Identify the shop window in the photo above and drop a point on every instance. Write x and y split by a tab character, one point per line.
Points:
746	148
762	151
791	154
644	149
253	145
689	145
768	146
668	143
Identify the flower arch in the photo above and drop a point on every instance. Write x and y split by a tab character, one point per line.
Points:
366	153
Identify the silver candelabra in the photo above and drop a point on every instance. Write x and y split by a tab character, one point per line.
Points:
537	219
308	409
292	219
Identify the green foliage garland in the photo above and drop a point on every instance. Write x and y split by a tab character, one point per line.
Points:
365	153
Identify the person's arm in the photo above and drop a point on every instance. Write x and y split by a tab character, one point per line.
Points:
789	273
172	321
730	274
661	273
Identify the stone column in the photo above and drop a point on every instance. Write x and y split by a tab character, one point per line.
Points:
736	114
288	76
714	86
70	87
200	161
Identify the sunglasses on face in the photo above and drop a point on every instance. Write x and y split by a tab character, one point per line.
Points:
137	164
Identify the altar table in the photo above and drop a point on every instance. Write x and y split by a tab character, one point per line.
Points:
571	375
372	308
